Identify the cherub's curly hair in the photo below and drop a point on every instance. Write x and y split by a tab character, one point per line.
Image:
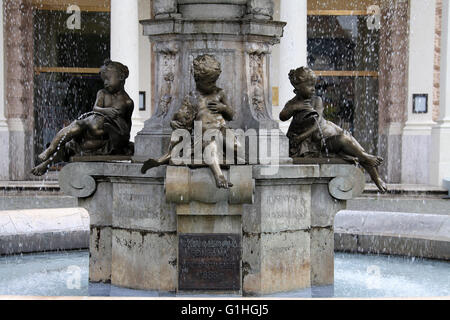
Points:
119	67
301	75
206	66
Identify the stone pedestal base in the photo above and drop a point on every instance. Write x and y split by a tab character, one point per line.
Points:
284	222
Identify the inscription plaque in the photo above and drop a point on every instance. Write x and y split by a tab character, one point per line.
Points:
209	262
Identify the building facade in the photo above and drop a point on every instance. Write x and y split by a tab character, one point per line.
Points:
382	66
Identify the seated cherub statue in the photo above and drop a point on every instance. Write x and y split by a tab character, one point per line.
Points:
310	134
104	131
208	104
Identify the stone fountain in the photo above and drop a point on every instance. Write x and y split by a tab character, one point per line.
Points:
172	229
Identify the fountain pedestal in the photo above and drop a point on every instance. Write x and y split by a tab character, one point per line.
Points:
240	34
172	230
279	227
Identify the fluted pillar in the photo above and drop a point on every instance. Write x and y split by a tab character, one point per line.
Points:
440	150
416	139
4	132
293	47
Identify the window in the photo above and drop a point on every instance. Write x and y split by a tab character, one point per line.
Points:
67	57
343	52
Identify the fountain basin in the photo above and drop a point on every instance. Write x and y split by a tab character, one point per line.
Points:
356	276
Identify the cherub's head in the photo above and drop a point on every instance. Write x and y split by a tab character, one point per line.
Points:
206	72
113	74
304	81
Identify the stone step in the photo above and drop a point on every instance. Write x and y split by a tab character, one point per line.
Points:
21	202
17	195
395	233
25	231
408	190
422	205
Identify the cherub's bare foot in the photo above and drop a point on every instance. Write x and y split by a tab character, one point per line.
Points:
372	161
150	163
39	170
221	182
381	185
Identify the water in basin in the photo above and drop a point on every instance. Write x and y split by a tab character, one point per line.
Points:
356	276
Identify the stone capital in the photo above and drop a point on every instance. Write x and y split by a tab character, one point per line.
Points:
167	47
260	9
258	48
165	8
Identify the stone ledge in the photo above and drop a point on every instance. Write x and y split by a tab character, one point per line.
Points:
237	27
414	204
23	231
407	234
49	230
392	245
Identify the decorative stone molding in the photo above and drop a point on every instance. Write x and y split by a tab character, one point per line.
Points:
260	9
345	181
346	185
167	54
76	182
79	179
257	95
167	47
165	9
212	9
184	185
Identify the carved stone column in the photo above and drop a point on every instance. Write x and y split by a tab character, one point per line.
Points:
242	45
440	151
163	9
155	137
260	9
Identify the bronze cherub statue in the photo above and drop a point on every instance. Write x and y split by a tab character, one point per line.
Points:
310	134
207	104
104	131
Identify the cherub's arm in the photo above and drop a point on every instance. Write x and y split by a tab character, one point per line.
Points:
99	106
289	111
184	117
222	107
100	101
317	104
308	132
125	108
125	111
